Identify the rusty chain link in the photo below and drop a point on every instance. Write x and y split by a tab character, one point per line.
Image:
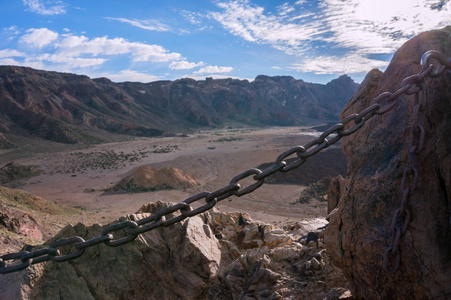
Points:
347	126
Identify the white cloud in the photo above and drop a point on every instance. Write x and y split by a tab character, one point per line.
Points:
37	6
215	76
11	53
39	37
152	25
354	28
72	45
155	53
184	65
213	69
349	64
8	61
129	75
72	62
67	52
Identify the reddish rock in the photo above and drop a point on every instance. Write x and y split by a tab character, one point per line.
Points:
359	230
20	222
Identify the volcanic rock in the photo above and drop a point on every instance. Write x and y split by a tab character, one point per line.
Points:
183	261
359	230
146	178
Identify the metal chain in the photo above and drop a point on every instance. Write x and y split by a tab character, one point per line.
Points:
164	218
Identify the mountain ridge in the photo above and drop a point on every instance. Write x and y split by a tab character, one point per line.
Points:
65	107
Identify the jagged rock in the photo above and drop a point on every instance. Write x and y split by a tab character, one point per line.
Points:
182	261
146	178
359	230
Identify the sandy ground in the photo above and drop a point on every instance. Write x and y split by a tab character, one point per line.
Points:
212	157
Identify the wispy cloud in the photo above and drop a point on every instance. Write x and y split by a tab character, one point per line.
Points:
51	7
192	17
152	25
351	30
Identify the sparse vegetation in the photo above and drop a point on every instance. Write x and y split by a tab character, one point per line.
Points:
317	190
110	159
225	139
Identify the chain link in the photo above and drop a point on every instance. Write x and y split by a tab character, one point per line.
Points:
165	217
409	181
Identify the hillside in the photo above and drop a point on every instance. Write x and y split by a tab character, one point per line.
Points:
70	108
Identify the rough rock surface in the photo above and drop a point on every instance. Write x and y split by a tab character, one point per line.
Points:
210	256
19	222
359	233
146	178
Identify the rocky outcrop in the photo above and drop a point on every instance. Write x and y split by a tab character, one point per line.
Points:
210	256
146	178
69	108
359	232
13	171
19	222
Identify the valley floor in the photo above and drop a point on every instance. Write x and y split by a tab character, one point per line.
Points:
78	177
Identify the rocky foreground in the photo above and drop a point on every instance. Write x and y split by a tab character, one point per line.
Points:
210	256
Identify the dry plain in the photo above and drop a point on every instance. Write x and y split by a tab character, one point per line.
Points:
78	175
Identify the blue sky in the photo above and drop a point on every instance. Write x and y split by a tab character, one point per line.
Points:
152	40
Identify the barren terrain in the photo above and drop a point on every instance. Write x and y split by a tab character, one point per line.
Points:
78	175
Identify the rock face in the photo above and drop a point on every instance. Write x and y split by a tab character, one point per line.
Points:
146	178
359	233
210	256
65	107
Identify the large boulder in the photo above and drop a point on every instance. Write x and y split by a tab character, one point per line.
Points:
359	230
